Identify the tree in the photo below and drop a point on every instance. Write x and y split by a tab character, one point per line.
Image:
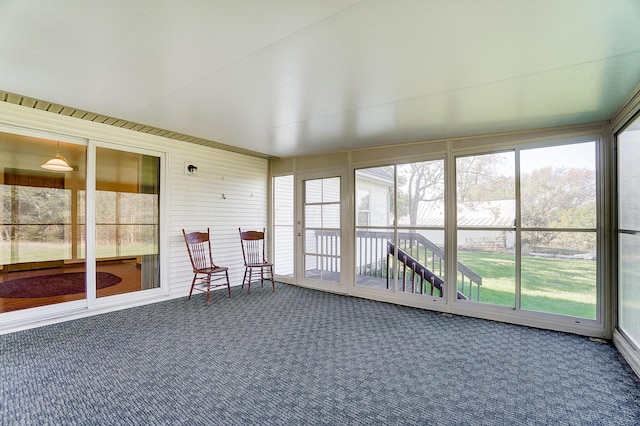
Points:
484	178
419	183
478	178
559	197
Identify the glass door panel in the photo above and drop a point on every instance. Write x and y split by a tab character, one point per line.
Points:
486	214
404	254
558	274
283	225
486	266
558	240
127	220
628	144
420	214
41	250
322	242
374	227
629	285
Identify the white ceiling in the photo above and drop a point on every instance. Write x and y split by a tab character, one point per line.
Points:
293	77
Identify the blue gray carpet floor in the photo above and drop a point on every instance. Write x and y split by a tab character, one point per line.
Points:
298	356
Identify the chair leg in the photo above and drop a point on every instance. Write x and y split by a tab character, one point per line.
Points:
250	278
193	283
228	284
246	269
273	283
208	289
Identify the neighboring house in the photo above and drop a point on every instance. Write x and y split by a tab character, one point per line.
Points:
494	214
373	190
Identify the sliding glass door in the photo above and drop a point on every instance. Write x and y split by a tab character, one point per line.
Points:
374	220
43	229
628	146
42	252
526	228
399	245
558	230
486	220
127	218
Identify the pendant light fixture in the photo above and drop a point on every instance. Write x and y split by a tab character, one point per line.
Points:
57	163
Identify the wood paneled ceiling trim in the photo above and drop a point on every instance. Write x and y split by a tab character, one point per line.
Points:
28	102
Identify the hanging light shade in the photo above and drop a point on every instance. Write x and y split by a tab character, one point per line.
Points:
57	163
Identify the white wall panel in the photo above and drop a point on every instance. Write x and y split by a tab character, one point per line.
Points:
229	191
191	202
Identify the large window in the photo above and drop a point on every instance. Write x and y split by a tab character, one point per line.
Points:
41	246
322	224
400	239
558	237
127	217
43	232
486	218
374	227
283	229
527	228
628	144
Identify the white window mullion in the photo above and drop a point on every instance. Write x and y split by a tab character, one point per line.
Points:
518	226
90	225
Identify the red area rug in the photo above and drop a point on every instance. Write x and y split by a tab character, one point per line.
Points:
53	285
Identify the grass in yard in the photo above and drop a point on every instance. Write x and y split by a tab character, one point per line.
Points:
34	252
561	286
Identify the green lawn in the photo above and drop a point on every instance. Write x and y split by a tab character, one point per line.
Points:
561	286
34	252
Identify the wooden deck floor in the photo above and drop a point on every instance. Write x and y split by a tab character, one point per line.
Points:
371	282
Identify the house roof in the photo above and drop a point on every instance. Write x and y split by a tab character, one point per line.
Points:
290	77
492	214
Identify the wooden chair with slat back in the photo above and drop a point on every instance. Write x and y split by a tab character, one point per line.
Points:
206	274
253	253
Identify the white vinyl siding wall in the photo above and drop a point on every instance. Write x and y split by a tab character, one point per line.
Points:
190	202
229	191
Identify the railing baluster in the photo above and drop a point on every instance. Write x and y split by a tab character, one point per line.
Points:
374	259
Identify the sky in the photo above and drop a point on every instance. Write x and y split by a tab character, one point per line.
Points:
581	155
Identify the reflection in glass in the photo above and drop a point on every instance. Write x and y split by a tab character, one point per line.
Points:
41	250
127	218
